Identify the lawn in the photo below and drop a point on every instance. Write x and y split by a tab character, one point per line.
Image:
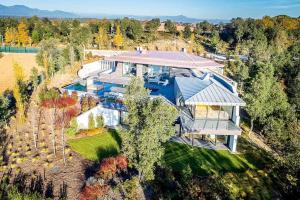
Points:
98	146
204	161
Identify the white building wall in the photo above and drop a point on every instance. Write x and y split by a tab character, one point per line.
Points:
111	117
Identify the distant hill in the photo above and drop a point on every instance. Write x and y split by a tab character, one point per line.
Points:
24	11
177	18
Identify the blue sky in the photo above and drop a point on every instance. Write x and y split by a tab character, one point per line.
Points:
211	9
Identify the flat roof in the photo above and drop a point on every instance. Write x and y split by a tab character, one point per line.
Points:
166	58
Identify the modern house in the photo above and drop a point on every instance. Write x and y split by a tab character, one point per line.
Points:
207	101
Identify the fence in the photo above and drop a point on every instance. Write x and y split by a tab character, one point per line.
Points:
10	49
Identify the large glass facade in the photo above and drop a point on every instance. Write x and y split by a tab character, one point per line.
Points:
156	70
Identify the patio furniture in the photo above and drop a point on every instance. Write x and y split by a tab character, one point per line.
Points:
153	79
164	82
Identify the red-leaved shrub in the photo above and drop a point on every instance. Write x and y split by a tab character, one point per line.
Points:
93	192
122	163
109	166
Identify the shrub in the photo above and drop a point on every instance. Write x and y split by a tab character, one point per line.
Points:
84	104
131	188
72	130
93	192
91	132
109	166
122	162
91	122
92	102
100	121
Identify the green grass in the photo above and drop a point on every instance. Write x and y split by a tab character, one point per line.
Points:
204	161
97	147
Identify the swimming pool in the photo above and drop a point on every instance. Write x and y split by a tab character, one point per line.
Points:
76	87
82	88
106	87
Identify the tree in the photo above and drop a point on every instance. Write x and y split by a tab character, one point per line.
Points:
36	37
10	35
191	43
152	25
102	38
222	47
99	121
50	57
5	110
91	121
48	100
150	125
17	91
67	111
187	31
215	39
170	27
118	38
80	37
23	37
264	96
34	78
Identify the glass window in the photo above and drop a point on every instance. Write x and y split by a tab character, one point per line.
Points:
129	69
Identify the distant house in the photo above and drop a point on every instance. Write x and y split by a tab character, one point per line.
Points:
208	102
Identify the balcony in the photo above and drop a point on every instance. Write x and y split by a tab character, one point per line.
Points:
207	126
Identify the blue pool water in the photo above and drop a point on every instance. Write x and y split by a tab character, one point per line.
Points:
76	87
106	87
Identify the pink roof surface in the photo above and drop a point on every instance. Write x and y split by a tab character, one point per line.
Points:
166	58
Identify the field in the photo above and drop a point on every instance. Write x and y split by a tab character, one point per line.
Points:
26	60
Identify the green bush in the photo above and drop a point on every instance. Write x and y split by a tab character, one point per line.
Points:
72	129
99	121
91	124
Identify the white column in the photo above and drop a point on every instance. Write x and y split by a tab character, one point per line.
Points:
233	142
236	115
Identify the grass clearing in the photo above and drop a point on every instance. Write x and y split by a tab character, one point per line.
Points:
99	146
204	161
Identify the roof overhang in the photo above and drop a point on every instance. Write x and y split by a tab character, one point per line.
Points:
214	103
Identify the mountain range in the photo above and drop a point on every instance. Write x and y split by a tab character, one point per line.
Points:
24	11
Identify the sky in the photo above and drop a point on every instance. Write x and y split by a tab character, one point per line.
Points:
202	9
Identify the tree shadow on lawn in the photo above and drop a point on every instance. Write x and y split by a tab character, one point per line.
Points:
116	135
205	162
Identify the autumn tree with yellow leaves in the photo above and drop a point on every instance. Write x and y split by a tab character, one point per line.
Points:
19	77
10	35
191	43
118	38
102	38
23	37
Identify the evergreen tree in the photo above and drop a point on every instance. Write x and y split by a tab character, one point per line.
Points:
91	122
